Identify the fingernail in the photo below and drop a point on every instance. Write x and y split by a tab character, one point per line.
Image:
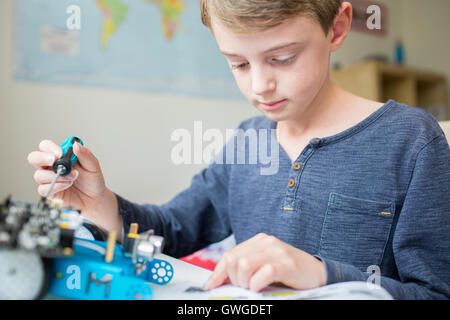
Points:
208	284
80	147
50	160
67	184
73	175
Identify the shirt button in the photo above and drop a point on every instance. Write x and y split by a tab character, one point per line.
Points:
297	166
291	183
315	142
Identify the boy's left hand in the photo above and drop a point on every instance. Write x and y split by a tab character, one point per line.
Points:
262	260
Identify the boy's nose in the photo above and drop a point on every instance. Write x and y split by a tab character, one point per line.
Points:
262	82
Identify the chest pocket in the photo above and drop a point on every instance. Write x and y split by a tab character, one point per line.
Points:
355	231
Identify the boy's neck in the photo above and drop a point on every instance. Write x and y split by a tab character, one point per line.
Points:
332	111
316	113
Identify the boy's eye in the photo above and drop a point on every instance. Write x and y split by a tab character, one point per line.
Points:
237	66
280	61
284	60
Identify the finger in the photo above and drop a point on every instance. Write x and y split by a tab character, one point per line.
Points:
50	147
219	276
253	245
245	268
249	264
246	258
39	159
86	158
58	187
47	176
232	267
228	266
233	261
263	277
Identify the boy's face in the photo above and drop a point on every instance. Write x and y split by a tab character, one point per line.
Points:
280	70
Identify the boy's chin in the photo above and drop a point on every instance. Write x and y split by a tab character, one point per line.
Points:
288	113
276	116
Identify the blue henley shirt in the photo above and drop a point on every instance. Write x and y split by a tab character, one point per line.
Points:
376	194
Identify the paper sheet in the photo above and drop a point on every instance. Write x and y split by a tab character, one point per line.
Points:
189	290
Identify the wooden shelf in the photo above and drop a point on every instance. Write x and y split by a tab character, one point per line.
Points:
380	81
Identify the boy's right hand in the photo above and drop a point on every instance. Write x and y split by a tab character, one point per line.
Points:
82	188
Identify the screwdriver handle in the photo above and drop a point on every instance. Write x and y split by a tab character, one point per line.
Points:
68	158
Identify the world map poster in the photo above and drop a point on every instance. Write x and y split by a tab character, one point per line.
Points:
150	45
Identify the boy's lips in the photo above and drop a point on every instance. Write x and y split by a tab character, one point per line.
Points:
270	106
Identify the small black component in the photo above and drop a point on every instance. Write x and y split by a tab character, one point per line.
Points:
66	238
195	289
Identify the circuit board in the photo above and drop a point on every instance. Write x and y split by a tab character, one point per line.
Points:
40	254
47	229
31	234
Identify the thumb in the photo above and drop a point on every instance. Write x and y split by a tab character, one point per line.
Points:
86	158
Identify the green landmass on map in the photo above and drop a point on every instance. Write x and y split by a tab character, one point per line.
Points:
170	14
115	13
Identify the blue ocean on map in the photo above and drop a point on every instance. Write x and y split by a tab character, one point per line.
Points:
146	45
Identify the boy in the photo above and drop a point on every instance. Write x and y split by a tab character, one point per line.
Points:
360	185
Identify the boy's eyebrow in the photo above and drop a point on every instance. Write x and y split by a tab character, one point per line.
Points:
282	46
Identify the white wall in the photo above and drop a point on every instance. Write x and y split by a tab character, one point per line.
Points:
423	27
130	131
426	28
359	45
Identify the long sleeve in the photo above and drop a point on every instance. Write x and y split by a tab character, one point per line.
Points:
421	240
194	218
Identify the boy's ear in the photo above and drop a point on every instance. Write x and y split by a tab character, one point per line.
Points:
341	26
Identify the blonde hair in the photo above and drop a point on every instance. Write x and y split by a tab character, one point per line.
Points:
248	16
